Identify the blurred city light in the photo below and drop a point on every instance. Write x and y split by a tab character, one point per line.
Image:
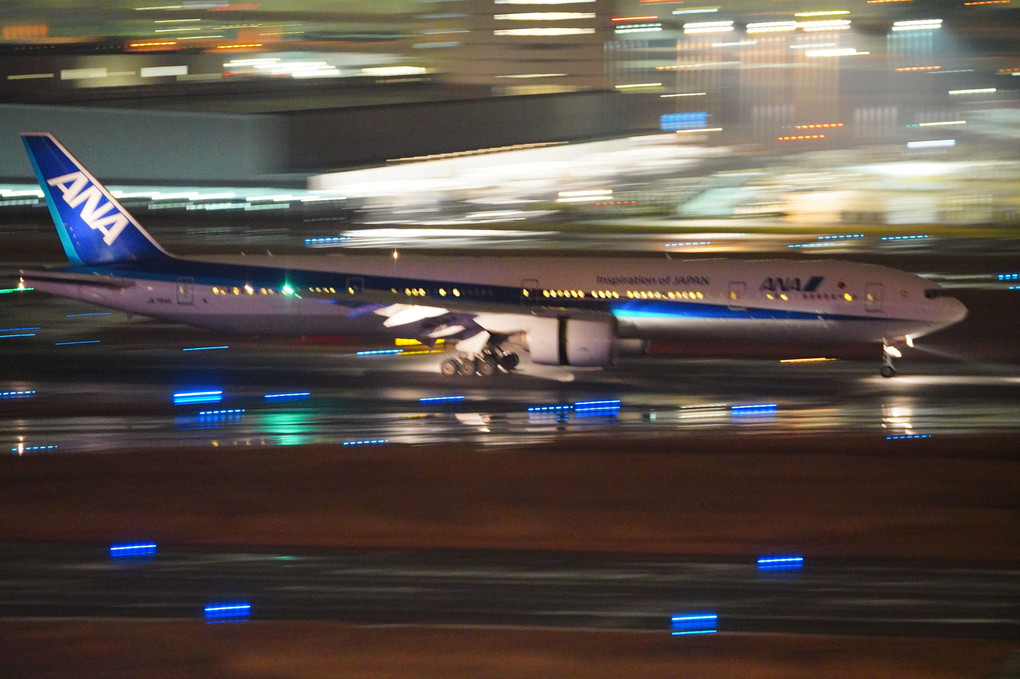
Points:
708	27
919	25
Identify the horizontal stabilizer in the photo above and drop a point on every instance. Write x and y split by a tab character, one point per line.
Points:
95	280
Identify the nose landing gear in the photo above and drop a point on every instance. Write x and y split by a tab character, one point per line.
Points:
889	352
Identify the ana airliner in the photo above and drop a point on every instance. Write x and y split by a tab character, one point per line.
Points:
563	311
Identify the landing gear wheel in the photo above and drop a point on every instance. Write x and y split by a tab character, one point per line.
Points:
889	351
487	367
509	361
450	367
466	366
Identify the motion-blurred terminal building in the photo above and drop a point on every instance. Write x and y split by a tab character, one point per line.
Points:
355	83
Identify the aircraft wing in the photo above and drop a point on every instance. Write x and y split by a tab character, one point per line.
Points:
473	324
457	319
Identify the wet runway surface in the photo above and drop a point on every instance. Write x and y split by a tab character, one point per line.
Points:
544	589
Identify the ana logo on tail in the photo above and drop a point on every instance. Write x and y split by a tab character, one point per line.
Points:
76	190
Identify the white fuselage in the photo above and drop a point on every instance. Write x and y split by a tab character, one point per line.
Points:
756	301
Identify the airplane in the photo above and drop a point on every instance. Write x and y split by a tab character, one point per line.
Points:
565	311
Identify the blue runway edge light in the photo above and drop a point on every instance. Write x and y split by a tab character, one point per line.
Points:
20	393
563	407
131	550
609	407
440	399
780	563
287	396
189	397
325	241
915	237
235	611
21	448
380	352
755	409
694	623
581	408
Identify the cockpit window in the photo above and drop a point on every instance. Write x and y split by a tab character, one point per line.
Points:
932	293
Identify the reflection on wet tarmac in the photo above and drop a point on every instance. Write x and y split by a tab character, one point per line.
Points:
236	398
510	588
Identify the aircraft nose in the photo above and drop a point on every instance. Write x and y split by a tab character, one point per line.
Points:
954	310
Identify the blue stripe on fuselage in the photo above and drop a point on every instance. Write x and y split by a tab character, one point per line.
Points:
651	309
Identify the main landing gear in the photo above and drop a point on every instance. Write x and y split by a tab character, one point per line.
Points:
889	352
490	362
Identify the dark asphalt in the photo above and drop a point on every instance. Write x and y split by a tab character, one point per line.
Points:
570	590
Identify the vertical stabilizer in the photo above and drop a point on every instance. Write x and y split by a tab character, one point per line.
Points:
93	227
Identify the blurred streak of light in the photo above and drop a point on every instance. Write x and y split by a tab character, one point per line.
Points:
534	32
918	25
771	27
806	360
835	52
931	144
543	2
897	416
525	76
824	25
546	16
637	86
780	562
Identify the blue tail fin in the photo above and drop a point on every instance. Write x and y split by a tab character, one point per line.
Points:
93	227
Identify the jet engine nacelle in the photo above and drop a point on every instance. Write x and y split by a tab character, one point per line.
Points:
567	341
